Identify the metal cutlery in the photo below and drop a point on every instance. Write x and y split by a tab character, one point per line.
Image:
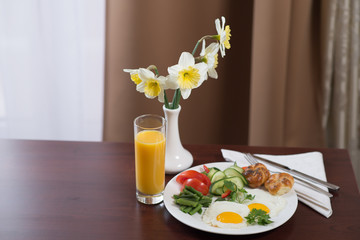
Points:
252	160
296	173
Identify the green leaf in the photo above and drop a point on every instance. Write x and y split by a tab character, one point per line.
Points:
258	216
230	185
243	195
233	196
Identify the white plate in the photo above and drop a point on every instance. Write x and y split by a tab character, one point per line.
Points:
195	220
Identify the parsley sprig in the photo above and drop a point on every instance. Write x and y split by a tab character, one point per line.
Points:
258	216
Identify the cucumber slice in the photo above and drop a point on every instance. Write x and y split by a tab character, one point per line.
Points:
219	191
237	180
231	172
216	188
212	171
217	176
237	168
244	180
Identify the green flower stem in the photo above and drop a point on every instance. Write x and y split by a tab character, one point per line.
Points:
201	39
196	46
216	37
176	99
200	59
153	67
166	102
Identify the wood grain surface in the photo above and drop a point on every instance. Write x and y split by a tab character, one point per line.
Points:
86	190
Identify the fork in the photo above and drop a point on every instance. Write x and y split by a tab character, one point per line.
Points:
252	160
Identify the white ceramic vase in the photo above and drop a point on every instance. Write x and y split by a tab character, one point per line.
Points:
177	158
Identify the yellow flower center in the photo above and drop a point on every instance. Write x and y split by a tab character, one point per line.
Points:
135	78
152	88
216	61
189	78
226	42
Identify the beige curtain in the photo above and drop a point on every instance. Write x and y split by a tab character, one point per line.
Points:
305	75
341	78
285	76
140	33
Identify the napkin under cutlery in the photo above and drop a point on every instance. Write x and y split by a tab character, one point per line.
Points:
310	163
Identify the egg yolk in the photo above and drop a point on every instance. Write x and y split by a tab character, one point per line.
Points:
259	206
229	217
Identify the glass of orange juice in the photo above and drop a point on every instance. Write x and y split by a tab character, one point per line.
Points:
149	133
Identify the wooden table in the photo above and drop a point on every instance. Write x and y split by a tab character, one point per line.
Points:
86	190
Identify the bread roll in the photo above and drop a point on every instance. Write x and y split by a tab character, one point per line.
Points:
256	175
279	183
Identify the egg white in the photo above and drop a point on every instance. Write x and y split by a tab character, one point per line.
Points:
274	203
216	208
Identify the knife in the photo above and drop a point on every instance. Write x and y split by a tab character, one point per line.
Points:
299	174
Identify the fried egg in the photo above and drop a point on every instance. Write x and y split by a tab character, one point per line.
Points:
224	214
265	201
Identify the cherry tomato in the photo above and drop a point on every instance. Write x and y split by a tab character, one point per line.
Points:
207	170
225	194
197	184
193	174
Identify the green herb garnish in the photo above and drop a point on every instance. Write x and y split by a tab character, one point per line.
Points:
258	216
230	185
243	195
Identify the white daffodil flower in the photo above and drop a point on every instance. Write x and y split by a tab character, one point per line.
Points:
210	57
151	85
134	75
223	34
186	74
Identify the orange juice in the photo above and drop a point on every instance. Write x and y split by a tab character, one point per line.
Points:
150	161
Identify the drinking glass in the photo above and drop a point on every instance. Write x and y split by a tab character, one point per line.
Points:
150	141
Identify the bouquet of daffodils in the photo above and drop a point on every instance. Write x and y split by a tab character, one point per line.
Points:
189	73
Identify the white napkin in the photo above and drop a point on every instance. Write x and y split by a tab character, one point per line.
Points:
310	163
